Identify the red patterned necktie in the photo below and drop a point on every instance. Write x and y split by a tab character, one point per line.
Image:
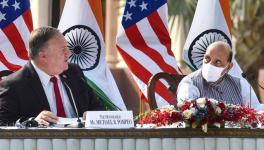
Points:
60	109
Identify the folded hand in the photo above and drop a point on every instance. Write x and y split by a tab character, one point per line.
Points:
46	117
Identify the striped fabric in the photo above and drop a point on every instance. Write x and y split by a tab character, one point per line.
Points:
228	90
145	44
80	28
211	22
16	25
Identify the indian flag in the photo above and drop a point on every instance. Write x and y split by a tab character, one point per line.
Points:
81	24
211	23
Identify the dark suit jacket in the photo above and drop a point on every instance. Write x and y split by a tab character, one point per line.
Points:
22	95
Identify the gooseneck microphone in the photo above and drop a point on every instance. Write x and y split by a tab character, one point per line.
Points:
253	78
246	78
80	124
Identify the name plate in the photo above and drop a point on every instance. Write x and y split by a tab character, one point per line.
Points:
109	119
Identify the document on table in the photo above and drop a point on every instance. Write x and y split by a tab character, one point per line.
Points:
63	122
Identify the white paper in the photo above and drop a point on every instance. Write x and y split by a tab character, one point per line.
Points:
66	121
109	119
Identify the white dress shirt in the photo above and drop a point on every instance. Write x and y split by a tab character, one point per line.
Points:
49	91
188	91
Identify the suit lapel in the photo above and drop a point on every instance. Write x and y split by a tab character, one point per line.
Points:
36	86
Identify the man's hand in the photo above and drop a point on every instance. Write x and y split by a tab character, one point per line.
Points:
46	117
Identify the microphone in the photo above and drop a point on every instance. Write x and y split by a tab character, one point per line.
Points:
247	79
80	124
253	78
26	123
258	84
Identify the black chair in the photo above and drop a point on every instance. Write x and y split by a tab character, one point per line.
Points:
5	73
172	79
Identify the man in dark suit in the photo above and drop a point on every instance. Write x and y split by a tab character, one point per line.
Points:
43	87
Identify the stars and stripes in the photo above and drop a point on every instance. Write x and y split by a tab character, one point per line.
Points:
145	44
15	25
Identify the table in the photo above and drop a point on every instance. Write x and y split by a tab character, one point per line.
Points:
131	139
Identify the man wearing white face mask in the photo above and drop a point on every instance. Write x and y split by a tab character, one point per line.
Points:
213	80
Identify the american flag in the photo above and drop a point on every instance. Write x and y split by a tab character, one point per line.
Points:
16	25
145	44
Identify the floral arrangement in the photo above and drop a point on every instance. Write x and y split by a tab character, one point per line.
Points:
202	113
160	117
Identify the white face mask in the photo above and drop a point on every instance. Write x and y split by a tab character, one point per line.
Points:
211	73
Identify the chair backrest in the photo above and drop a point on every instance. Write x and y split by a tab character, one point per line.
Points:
172	79
5	73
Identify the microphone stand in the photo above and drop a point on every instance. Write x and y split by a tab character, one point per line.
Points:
245	77
250	95
80	124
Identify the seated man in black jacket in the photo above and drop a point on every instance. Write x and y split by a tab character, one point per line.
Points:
43	87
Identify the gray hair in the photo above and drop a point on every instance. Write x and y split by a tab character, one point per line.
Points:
39	39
